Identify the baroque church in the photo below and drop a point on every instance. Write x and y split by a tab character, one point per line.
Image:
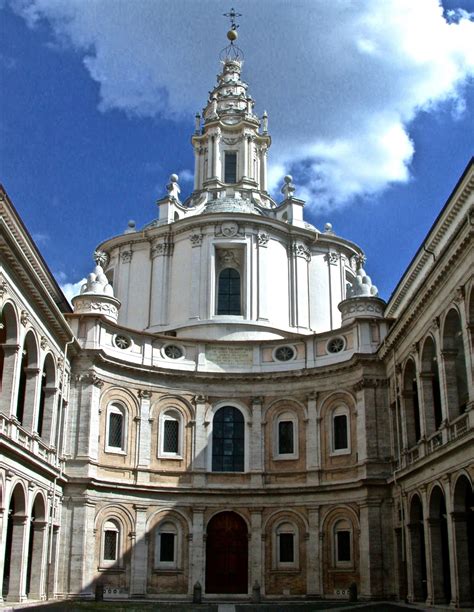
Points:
229	410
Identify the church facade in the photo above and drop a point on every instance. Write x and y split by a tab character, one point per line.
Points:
229	408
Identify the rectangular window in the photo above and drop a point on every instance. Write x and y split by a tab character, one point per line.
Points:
343	545
110	545
285	438
171	437
230	170
340	432
286	548
115	430
167	547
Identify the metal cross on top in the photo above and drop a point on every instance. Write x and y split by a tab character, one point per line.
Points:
232	16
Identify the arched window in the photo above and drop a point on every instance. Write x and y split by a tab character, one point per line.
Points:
116	428
286	546
229	301
342	538
230	167
3	340
228	440
110	542
166	546
340	431
286	436
411	404
455	369
170	443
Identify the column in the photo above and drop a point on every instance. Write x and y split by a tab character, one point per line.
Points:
256	556
160	253
215	155
312	441
459	521
196	244
428	542
245	156
10	377
139	569
200	440
144	444
197	548
263	260
49	415
370	550
33	382
257	445
18	559
451	542
197	166
313	554
450	383
82	558
38	560
263	168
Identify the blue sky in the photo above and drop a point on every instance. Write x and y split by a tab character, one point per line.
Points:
371	109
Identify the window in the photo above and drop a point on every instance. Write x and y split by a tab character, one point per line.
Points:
166	546
286	551
343	543
228	301
230	170
228	439
115	428
340	431
285	437
170	442
110	541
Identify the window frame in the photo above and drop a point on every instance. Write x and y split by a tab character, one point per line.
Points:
338	412
282	417
111	524
245	441
170	414
167	525
286	527
342	525
116	408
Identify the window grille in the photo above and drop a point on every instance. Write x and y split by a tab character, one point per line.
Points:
230	171
228	440
110	545
115	430
171	436
228	302
285	438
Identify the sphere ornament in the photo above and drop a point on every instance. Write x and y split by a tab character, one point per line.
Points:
232	35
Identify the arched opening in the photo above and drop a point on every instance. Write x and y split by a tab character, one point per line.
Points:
35	573
417	549
27	383
229	298
463	519
455	369
13	588
228	440
8	355
438	525
411	403
431	387
227	554
46	406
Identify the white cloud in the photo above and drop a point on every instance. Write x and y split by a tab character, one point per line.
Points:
186	176
341	81
72	289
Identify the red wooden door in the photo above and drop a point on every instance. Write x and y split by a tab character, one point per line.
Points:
227	554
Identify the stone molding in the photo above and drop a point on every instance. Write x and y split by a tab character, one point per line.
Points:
97	304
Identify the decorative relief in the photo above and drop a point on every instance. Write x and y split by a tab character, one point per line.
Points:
228	229
144	394
263	239
99	306
44	342
91	378
3	288
299	249
232	141
126	256
162	249
228	257
332	258
196	240
24	318
365	307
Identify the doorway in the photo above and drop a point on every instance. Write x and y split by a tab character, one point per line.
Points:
227	554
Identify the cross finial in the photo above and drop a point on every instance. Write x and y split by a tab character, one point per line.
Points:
232	16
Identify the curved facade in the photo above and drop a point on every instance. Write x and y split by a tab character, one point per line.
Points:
231	407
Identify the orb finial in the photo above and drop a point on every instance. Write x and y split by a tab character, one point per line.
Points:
232	52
